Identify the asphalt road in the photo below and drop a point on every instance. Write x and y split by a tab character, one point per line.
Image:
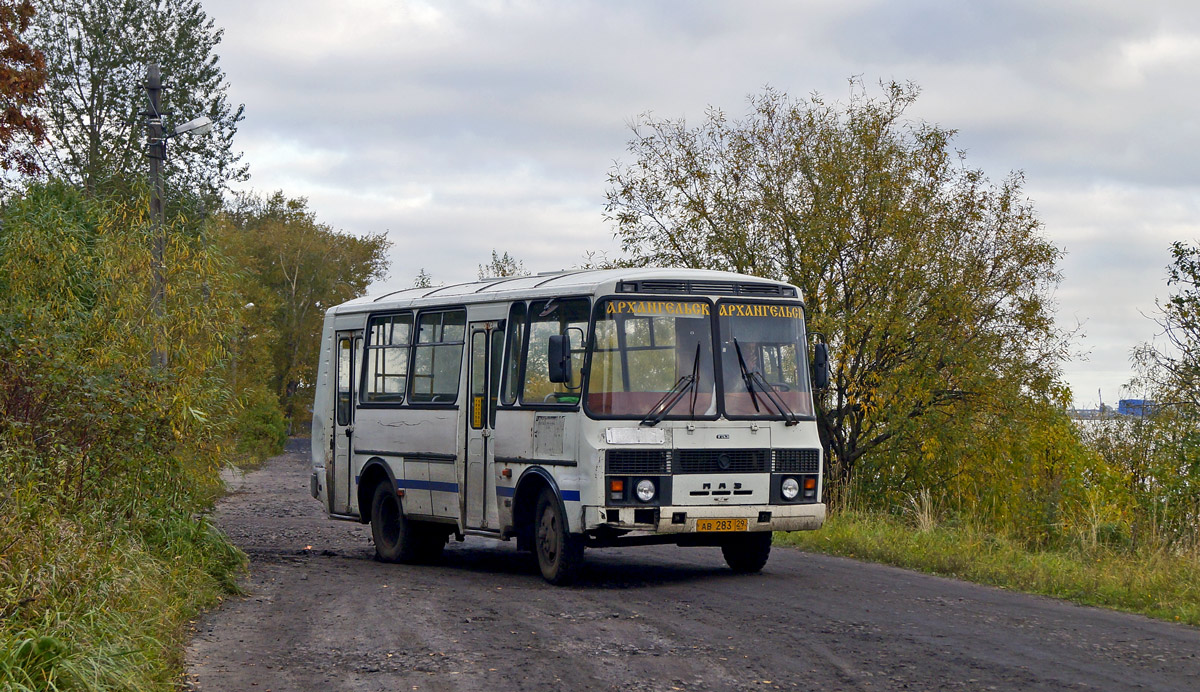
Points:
321	614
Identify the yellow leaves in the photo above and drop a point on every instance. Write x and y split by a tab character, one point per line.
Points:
931	449
929	281
81	270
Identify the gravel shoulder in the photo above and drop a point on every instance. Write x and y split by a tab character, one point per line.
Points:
321	614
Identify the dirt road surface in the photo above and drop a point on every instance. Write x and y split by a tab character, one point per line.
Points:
321	614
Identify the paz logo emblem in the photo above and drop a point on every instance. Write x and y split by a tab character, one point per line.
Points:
724	462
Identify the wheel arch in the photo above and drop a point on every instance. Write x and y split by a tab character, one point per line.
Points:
376	470
529	486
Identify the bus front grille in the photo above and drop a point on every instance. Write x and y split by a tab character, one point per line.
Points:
797	461
664	461
637	461
722	460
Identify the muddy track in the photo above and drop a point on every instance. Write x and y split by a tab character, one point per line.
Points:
321	614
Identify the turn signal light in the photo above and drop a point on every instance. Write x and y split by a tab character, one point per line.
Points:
810	483
617	485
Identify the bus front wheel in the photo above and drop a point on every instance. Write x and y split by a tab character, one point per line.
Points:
559	554
747	553
395	537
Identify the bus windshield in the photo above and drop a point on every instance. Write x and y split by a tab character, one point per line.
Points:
763	364
644	349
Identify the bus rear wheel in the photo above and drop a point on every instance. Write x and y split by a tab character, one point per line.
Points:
396	539
559	553
747	553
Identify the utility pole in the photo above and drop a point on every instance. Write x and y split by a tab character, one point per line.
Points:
157	153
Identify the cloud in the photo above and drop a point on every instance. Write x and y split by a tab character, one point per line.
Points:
1117	239
463	127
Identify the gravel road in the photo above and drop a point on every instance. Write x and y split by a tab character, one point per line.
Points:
321	614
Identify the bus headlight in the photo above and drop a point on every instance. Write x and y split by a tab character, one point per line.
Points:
790	488
645	490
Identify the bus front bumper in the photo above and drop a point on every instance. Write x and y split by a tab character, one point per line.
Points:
672	519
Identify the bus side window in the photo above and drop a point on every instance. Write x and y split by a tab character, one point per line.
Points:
388	338
547	318
344	375
512	364
494	370
437	356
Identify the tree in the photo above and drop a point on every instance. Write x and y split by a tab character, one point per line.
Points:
96	57
73	281
1174	368
1163	468
22	75
931	284
502	265
423	279
294	269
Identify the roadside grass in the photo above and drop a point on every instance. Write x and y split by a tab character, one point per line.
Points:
1158	582
97	586
100	599
108	462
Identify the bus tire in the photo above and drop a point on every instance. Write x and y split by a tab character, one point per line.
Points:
559	553
747	553
394	536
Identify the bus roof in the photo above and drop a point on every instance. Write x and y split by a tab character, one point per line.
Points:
700	282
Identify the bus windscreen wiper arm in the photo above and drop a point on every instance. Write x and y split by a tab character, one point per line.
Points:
755	380
667	402
769	391
660	410
746	376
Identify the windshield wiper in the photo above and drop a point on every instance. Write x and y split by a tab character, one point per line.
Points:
755	380
673	396
789	416
746	376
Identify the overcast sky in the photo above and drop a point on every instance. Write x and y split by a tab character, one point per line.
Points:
463	127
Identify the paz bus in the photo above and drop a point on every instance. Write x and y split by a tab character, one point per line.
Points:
572	410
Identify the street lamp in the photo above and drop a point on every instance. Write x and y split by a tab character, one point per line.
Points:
196	126
157	153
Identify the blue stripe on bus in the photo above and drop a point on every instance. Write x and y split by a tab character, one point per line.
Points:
567	495
438	486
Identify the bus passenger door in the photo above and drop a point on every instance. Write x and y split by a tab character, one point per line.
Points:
340	479
479	498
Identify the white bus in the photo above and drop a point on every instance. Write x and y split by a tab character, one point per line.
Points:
569	410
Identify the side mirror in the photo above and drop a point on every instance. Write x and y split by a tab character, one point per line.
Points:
820	365
559	351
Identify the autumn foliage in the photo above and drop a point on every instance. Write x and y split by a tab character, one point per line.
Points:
109	460
931	283
22	74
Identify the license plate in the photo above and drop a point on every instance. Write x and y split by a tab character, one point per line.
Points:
721	525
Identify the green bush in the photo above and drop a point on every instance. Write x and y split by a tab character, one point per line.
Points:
107	463
1113	535
261	427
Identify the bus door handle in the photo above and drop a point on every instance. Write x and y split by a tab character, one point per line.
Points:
349	430
485	433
